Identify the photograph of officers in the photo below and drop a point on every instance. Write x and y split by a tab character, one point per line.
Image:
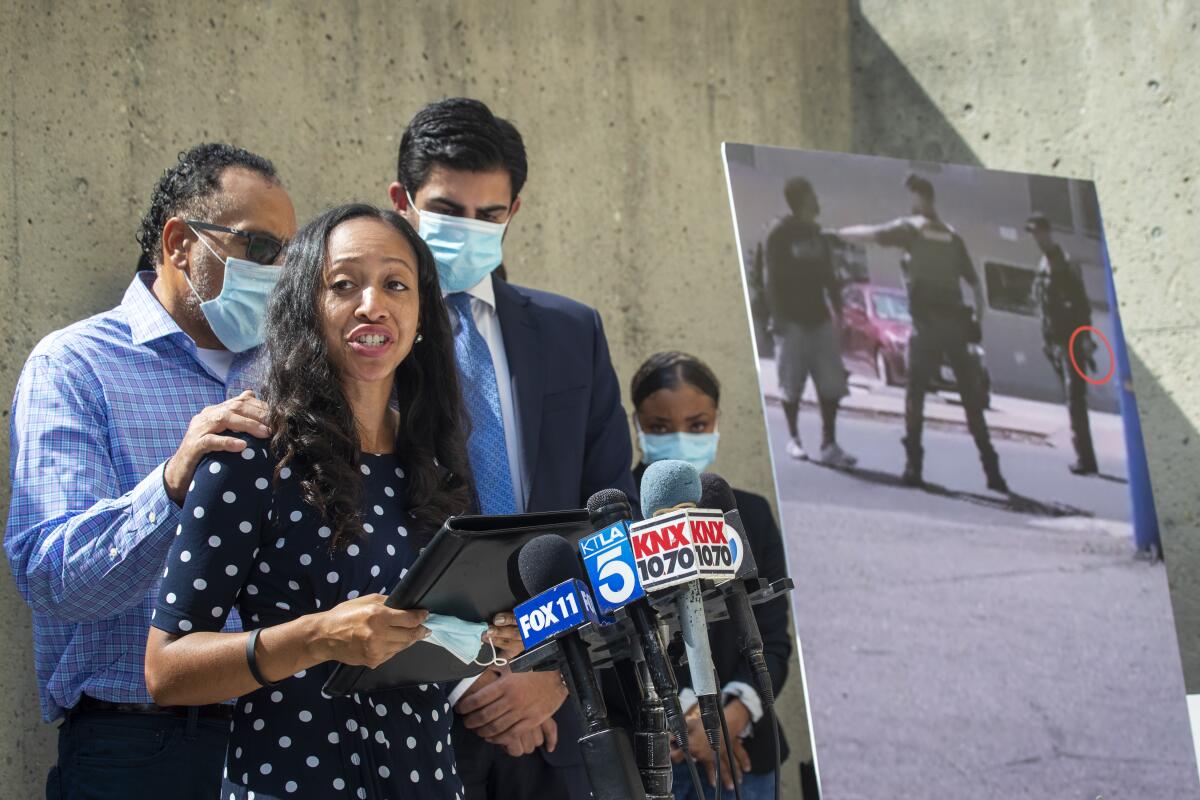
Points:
973	328
897	338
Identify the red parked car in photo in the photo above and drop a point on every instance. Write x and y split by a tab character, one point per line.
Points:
875	332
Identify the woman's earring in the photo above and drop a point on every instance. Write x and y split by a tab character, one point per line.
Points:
419	338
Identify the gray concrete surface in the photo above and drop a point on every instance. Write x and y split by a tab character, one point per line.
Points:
958	644
1043	489
623	105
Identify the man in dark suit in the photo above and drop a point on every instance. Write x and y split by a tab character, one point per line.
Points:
548	429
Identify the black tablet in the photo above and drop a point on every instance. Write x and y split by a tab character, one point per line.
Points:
469	570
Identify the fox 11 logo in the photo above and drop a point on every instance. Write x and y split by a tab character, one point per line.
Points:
560	608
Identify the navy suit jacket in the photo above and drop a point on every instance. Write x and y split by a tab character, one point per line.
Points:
575	435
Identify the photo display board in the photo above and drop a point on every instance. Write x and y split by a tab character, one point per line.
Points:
980	602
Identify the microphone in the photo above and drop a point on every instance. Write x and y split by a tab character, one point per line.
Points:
674	489
550	571
715	492
668	485
718	494
612	573
665	555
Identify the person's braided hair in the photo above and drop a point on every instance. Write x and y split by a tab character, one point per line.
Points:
188	189
671	369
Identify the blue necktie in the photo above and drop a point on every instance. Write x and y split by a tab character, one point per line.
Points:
481	396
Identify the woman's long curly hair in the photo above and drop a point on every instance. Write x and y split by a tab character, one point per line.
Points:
314	429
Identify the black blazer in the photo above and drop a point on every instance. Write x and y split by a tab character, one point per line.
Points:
574	432
767	546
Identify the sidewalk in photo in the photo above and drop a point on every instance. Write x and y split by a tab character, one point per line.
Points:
1010	417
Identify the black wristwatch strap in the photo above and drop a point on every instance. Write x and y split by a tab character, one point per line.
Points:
251	661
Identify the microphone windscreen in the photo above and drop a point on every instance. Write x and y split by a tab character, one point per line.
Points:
668	483
715	492
547	561
606	497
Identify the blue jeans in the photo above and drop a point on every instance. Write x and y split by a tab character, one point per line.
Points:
107	755
754	787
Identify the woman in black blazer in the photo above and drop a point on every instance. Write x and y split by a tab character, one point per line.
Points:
675	401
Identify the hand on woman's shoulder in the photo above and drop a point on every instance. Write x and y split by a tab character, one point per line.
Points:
251	462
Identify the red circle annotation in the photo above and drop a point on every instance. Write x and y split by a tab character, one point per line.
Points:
1112	356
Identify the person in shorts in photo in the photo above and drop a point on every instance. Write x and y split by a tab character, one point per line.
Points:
803	298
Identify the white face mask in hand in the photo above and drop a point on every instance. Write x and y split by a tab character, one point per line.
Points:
461	638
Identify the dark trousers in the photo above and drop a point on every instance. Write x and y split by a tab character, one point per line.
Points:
109	755
933	342
489	773
1077	387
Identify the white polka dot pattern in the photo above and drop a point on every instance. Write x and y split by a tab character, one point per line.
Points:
291	739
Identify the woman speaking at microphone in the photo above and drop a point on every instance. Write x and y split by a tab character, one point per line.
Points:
302	531
675	407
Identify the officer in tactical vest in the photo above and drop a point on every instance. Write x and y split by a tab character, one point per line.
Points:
935	262
1063	302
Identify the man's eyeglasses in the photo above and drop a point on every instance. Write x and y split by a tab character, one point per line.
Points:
260	248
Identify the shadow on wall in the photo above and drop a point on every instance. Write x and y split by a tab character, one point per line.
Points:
1174	455
893	116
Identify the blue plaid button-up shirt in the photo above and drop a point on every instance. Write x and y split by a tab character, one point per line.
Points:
99	408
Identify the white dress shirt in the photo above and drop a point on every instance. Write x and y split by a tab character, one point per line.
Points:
218	362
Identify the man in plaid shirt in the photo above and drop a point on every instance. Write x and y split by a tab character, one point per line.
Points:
111	416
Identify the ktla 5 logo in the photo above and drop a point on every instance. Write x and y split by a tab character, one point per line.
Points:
608	557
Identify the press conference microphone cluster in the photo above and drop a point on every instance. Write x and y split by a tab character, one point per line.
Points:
611	569
612	572
682	567
561	605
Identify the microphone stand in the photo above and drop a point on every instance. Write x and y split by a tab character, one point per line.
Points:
652	740
607	752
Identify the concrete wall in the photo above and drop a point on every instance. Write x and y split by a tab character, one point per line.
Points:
623	107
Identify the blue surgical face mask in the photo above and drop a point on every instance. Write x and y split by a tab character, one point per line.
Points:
465	250
237	314
698	449
461	638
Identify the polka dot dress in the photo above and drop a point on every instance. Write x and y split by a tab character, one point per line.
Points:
247	543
